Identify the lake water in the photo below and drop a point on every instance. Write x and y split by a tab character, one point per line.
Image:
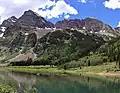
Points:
64	84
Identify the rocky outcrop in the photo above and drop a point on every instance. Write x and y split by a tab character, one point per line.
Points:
77	23
96	25
9	22
88	24
117	29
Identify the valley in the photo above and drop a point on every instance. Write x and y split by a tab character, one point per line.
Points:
68	44
31	45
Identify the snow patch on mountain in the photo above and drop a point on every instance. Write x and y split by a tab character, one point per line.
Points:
3	29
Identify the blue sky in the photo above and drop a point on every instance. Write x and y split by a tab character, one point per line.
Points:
95	9
54	10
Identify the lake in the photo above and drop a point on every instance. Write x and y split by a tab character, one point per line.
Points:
60	84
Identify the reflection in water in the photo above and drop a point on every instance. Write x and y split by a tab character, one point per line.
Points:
67	84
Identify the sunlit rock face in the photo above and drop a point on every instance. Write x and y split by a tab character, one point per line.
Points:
75	23
89	24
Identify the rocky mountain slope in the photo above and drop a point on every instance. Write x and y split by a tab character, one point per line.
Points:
30	21
63	46
89	25
73	23
27	22
31	36
117	29
7	23
30	18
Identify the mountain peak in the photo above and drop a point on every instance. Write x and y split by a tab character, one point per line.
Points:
29	12
9	22
90	18
12	19
30	18
117	28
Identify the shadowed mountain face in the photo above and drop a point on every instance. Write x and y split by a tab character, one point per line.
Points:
30	18
22	35
66	45
9	22
117	29
27	23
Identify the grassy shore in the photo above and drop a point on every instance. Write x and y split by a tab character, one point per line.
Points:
38	70
103	70
9	89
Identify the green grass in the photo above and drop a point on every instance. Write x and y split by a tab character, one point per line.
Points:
7	89
47	70
38	70
4	56
100	68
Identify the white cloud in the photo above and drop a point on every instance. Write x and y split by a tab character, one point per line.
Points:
83	1
87	1
1	10
20	2
17	7
60	8
67	16
118	24
112	4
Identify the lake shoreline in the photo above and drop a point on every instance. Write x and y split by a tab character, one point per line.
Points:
60	72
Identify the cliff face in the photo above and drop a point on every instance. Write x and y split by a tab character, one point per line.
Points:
70	24
96	25
89	24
